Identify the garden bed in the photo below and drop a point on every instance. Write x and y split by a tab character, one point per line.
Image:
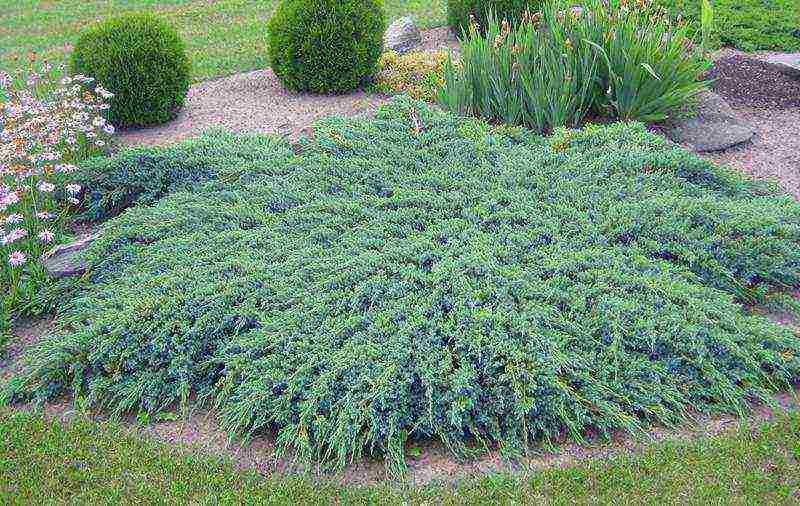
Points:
498	287
257	102
381	287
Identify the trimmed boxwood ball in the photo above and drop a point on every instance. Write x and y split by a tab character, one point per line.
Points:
141	59
459	11
325	46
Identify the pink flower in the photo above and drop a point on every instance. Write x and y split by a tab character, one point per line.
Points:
13	219
44	215
8	199
13	236
45	187
46	236
103	92
16	258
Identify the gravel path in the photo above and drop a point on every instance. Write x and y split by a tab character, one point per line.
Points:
251	102
774	153
257	102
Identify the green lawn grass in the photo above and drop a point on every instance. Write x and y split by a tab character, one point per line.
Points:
222	37
88	462
227	36
749	25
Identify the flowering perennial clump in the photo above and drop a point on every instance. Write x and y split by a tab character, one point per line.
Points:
47	123
560	67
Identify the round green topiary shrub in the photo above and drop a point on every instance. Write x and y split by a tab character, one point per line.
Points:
325	46
459	12
141	60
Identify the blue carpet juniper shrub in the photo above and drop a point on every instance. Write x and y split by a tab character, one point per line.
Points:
417	275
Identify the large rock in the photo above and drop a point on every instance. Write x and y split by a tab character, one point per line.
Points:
402	36
67	260
788	64
715	126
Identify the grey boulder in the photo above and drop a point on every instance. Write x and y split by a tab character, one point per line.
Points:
402	36
715	127
788	63
66	260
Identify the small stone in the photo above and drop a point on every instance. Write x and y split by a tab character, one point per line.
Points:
402	36
66	260
787	64
715	127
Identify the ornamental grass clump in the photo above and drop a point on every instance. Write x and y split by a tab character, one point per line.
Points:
47	124
423	276
523	75
650	70
560	66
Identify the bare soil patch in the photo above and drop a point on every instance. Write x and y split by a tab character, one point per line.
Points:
24	334
769	101
773	154
746	81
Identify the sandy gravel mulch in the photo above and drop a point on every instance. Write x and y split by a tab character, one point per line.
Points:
774	153
251	102
770	102
257	102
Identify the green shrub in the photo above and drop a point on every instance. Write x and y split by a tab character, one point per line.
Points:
461	13
142	175
417	74
326	45
556	67
749	25
141	60
418	275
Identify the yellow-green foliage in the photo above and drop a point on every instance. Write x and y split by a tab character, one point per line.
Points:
418	73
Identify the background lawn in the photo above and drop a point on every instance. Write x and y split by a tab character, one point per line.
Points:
222	37
87	462
227	36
